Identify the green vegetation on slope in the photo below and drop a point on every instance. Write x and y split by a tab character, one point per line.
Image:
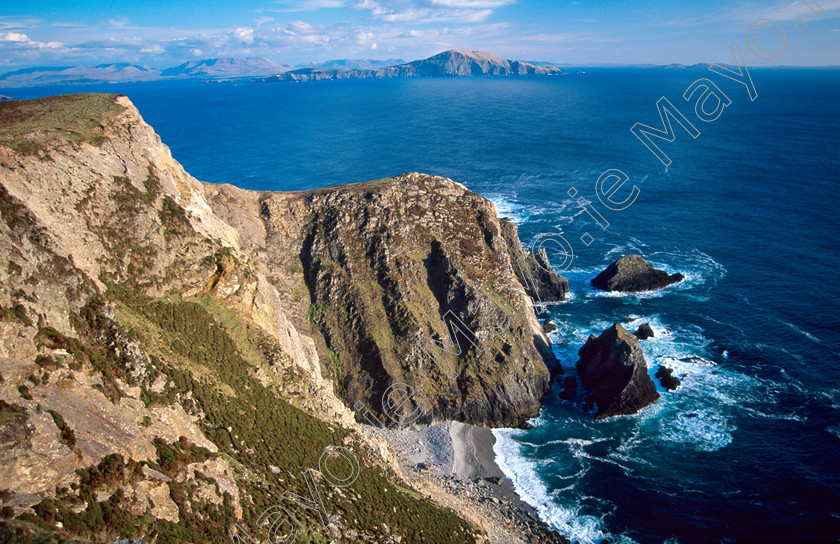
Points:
25	125
207	355
255	428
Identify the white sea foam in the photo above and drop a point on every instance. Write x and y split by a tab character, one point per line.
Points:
705	429
704	384
806	334
518	213
700	415
532	490
832	396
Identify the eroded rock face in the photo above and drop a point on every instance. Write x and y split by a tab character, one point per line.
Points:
534	270
613	369
667	379
392	269
631	273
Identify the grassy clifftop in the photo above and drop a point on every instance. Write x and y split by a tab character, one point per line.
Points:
27	124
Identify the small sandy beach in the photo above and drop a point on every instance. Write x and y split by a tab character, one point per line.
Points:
454	464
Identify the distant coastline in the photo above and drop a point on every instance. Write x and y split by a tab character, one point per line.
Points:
451	63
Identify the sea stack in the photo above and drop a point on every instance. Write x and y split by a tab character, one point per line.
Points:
645	331
613	369
667	379
631	273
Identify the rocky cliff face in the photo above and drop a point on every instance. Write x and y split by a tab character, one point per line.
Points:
534	271
161	336
403	280
613	369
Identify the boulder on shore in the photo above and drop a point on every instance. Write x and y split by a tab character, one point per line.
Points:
613	369
631	273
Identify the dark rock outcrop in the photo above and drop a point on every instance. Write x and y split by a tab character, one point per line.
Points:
645	331
631	273
667	378
569	388
533	270
612	368
422	291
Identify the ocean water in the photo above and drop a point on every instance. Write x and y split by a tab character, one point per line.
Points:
748	448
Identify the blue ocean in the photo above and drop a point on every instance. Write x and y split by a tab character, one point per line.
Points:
748	448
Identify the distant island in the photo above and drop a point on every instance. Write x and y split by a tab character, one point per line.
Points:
447	63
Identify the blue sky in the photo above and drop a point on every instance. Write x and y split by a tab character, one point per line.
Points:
164	33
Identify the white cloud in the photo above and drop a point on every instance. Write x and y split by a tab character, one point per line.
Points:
18	23
367	4
155	49
429	11
17	48
246	35
790	11
13	37
16	39
377	25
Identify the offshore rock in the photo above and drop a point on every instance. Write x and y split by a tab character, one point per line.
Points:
645	331
631	273
667	379
613	369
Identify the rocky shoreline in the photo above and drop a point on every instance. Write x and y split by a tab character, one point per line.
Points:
454	464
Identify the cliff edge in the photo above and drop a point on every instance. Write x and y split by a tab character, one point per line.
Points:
163	335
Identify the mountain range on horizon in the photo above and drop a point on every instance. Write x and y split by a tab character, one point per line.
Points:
447	63
225	67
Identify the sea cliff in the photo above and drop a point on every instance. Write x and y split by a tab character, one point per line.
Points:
177	355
